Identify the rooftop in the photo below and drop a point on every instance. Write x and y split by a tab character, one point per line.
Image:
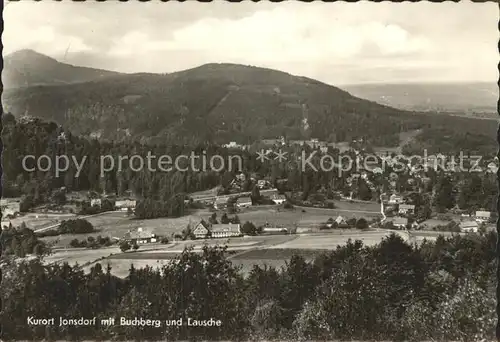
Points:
139	234
226	228
468	224
400	221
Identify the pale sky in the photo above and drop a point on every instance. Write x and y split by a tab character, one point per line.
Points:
337	43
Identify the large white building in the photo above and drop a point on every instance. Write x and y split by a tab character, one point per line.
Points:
483	216
125	205
225	230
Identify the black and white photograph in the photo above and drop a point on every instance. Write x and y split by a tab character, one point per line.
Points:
253	171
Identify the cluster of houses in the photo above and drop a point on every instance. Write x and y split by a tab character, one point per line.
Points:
222	202
201	230
10	210
122	205
395	203
472	223
235	145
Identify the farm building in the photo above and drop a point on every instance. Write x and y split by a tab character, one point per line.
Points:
220	203
201	230
341	221
9	212
225	230
15	206
406	209
263	184
95	202
140	236
483	216
395	199
5	224
244	202
241	177
469	226
400	222
278	199
125	205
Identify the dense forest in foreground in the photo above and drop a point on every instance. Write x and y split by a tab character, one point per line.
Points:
442	290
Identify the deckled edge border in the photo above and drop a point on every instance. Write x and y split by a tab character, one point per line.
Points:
277	1
1	153
498	199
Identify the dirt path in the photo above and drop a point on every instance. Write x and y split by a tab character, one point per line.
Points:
263	246
76	217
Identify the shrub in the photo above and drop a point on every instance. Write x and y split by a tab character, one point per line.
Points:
124	246
362	224
466	314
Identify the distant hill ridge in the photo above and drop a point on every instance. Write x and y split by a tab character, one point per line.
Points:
26	68
464	97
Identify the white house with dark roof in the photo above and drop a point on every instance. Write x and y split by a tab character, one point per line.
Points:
244	202
201	230
469	226
5	223
395	199
278	199
341	221
220	203
483	216
95	202
124	205
262	183
406	209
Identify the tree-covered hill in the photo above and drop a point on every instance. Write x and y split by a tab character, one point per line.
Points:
25	68
221	103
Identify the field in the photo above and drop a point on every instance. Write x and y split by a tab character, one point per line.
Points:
204	193
271	250
40	220
245	252
311	217
324	241
80	256
116	224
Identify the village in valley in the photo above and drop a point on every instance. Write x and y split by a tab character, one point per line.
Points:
255	213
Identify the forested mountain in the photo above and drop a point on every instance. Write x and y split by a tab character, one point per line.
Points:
25	68
220	103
